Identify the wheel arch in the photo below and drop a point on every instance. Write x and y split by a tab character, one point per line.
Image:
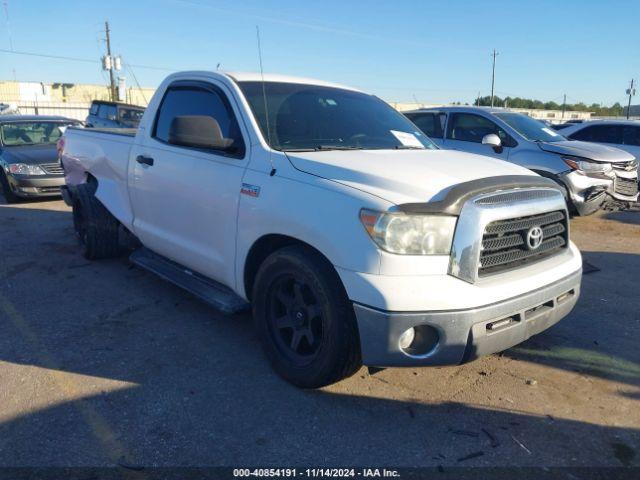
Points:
265	246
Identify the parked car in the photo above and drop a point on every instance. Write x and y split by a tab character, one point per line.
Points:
113	115
622	134
29	165
589	173
351	235
568	123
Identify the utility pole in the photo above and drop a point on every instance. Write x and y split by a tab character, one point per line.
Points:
631	92
112	86
493	74
564	104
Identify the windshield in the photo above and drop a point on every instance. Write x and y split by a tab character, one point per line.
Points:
312	117
31	133
530	128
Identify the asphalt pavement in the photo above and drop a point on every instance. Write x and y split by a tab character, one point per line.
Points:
105	364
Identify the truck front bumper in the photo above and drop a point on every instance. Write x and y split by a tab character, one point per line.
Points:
457	336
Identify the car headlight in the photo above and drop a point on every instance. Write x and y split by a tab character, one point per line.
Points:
26	169
585	165
410	234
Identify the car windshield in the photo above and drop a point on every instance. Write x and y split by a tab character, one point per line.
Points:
530	128
31	133
312	117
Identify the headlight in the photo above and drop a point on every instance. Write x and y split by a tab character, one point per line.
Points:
25	169
585	165
410	234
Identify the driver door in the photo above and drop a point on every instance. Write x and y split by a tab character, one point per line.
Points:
465	132
185	199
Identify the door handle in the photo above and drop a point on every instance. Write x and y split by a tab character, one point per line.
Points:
144	160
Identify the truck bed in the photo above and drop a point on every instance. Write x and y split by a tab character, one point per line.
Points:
103	153
127	132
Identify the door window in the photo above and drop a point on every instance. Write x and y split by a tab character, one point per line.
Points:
599	134
431	124
468	127
631	135
199	100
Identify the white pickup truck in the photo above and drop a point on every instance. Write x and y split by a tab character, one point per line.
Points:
353	238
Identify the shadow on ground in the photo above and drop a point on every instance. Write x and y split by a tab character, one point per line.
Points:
630	217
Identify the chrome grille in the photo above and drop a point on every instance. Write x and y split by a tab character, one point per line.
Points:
626	166
52	168
504	243
626	186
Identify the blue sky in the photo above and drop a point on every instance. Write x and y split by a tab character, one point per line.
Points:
432	51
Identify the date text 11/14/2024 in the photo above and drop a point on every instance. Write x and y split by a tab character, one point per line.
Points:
316	472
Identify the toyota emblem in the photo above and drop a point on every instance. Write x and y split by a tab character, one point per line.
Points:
534	237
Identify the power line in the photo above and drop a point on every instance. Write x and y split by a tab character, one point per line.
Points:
144	97
78	59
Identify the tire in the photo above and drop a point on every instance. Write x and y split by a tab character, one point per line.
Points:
304	318
96	228
8	194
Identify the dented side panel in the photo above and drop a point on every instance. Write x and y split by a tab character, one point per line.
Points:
105	156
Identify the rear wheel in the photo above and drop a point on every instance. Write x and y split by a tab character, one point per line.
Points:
8	194
96	228
305	321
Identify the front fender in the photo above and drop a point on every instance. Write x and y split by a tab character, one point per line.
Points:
320	213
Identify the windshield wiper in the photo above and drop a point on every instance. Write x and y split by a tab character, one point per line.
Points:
409	147
323	147
338	147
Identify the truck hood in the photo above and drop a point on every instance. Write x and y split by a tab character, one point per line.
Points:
402	176
592	151
30	154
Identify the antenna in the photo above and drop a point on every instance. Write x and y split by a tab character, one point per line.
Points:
264	98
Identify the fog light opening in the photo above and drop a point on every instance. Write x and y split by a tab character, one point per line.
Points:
419	340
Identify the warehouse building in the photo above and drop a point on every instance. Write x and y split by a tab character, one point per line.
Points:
67	99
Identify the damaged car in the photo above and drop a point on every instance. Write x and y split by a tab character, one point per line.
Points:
591	175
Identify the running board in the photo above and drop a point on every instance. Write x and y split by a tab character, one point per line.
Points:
220	297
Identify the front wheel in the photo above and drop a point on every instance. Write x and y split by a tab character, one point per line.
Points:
304	318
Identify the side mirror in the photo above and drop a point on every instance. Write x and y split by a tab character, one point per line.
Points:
493	141
199	131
